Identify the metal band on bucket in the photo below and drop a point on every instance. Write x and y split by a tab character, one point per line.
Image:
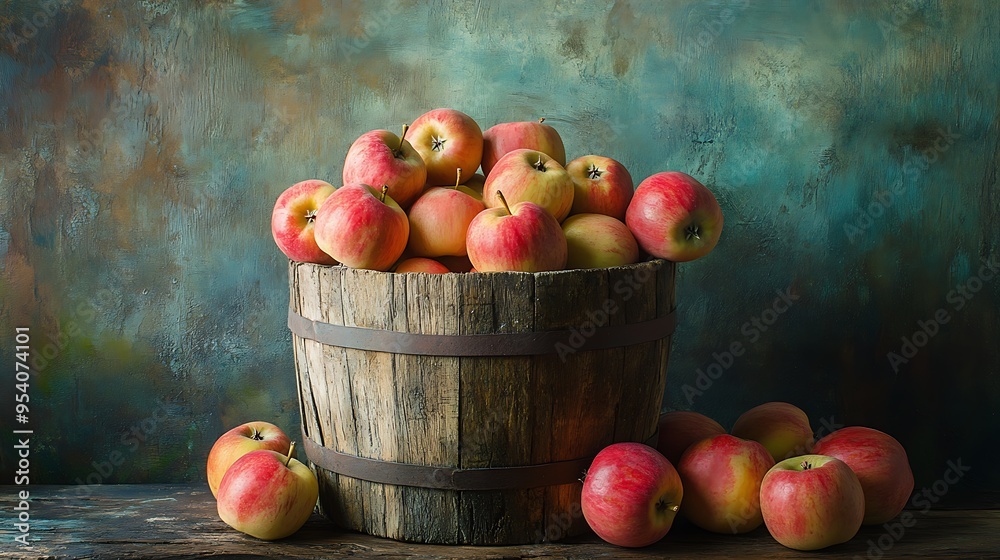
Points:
449	478
498	344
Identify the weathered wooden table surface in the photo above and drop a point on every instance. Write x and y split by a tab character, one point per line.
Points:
180	521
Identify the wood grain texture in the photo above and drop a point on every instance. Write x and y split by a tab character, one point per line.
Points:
476	412
180	522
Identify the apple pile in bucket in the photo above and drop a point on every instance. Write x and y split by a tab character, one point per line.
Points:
415	203
767	470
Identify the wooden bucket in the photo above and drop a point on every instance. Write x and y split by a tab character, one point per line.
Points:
465	408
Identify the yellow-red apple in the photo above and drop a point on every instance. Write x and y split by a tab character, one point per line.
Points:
601	185
631	494
781	427
522	237
679	429
292	221
239	441
421	264
502	138
812	502
598	241
379	157
881	465
447	140
362	227
439	222
530	176
674	217
721	477
268	495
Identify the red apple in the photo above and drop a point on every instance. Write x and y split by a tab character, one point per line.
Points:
783	428
292	221
680	429
598	241
447	140
379	157
362	228
601	186
522	237
811	502
881	465
239	441
421	264
630	495
530	176
721	477
674	217
439	222
268	495
502	138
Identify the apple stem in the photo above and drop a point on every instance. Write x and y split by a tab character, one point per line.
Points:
385	189
806	465
458	177
539	165
541	120
674	508
504	202
401	137
291	450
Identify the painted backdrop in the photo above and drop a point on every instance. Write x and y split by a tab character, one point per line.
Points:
853	147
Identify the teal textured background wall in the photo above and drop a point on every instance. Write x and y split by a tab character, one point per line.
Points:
852	145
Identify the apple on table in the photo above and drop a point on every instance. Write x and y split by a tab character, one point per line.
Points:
268	495
631	494
722	477
598	241
532	176
522	237
292	221
447	140
679	429
881	464
239	441
812	502
502	138
601	185
781	427
379	157
362	227
674	217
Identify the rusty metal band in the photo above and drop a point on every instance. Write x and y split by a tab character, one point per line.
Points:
449	478
501	344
